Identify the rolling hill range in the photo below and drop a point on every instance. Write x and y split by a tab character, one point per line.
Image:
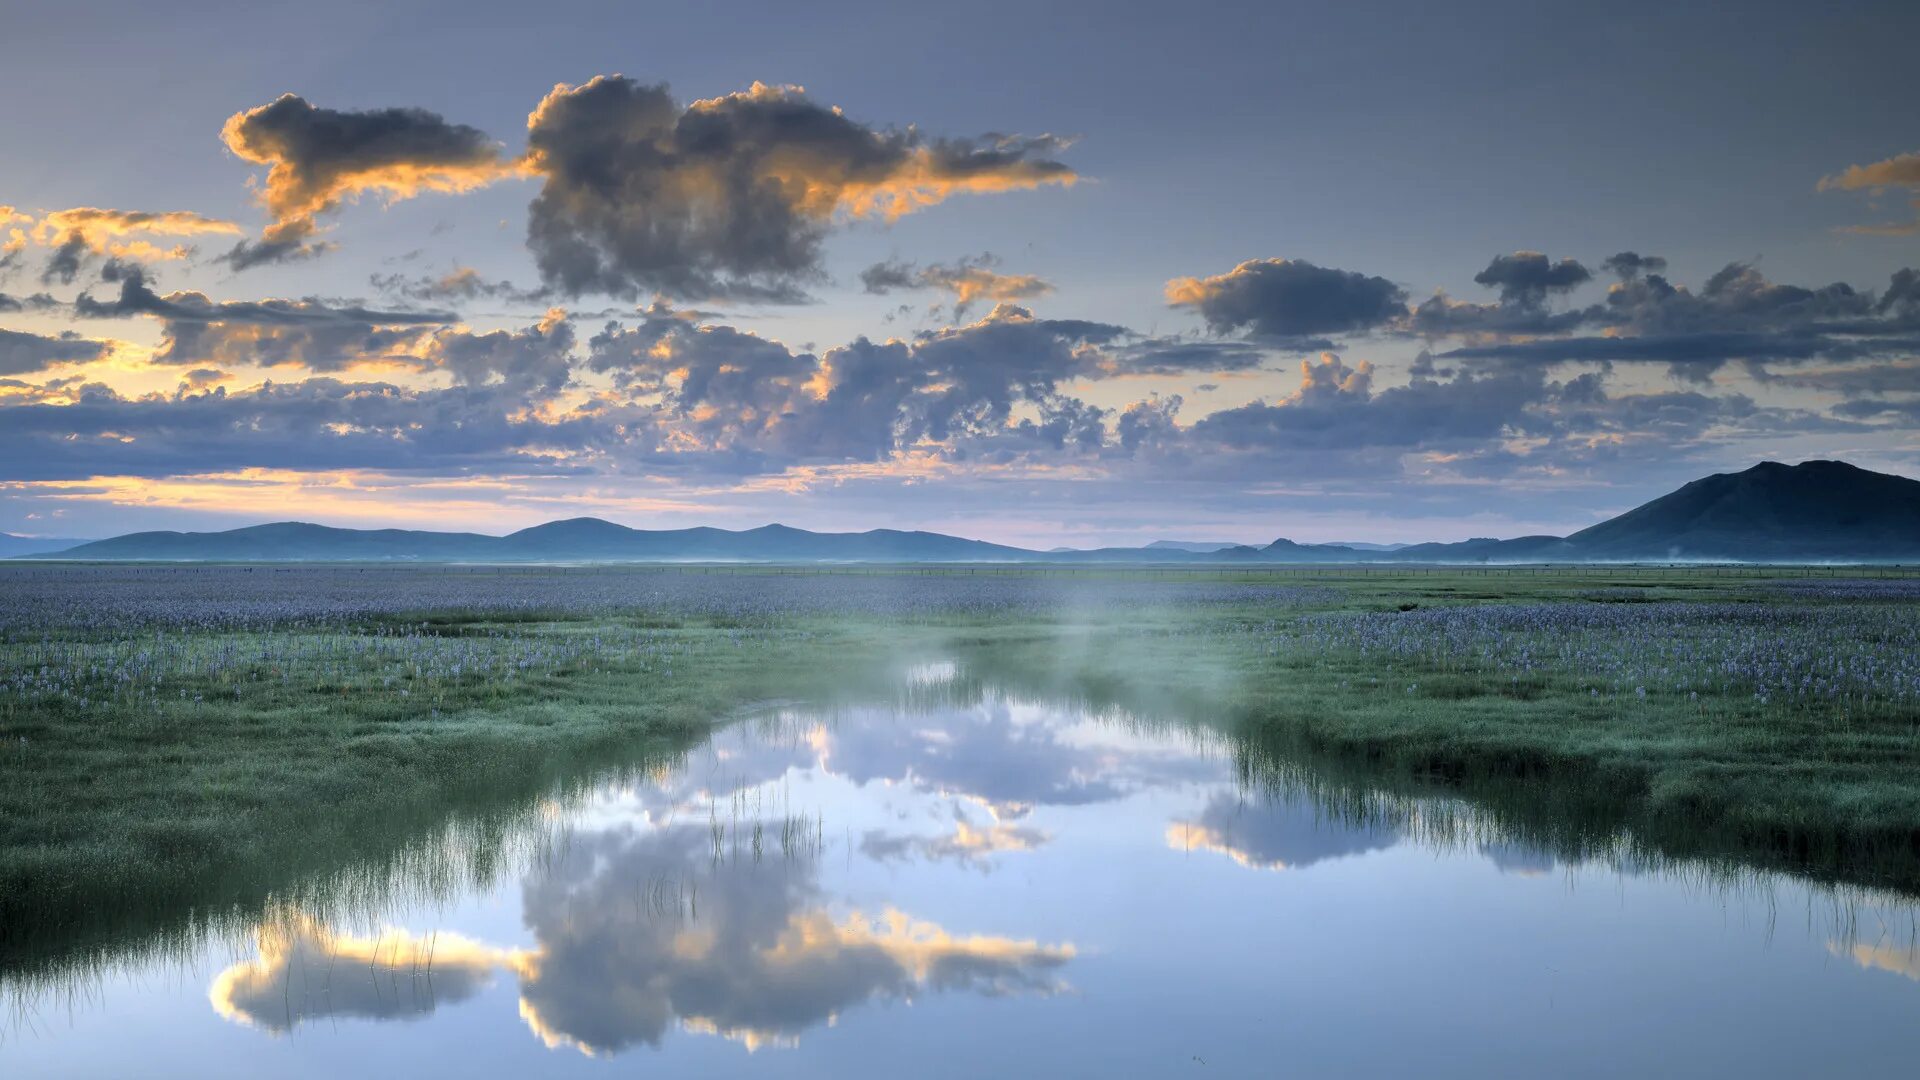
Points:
1819	511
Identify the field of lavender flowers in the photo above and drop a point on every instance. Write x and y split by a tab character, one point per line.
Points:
193	739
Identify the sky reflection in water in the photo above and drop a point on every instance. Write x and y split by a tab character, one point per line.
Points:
976	883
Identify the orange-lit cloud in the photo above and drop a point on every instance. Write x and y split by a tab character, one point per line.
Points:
1902	170
1900	960
732	195
318	157
969	280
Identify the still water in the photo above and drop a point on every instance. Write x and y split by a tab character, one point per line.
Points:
967	881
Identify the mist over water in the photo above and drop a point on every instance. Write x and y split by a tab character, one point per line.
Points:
974	875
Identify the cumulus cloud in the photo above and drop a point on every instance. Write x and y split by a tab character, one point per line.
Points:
318	157
735	391
732	196
1290	300
969	280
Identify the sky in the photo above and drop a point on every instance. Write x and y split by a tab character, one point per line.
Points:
1055	274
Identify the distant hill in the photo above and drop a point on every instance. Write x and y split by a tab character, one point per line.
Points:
11	544
1814	512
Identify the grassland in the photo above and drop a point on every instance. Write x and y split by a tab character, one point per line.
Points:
179	744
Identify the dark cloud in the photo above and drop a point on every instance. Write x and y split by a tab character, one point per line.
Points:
1902	295
1527	278
1290	301
65	261
21	352
291	244
36	302
1629	265
1442	316
317	157
1174	357
270	333
536	361
732	196
1737	315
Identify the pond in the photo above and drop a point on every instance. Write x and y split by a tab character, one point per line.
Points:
973	879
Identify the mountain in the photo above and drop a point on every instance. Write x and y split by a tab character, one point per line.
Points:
573	540
1819	511
11	545
1816	510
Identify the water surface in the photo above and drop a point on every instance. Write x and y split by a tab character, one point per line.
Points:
969	880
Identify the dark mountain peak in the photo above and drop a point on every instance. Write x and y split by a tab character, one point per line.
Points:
1816	509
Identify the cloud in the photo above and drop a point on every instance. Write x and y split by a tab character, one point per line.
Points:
36	302
1172	356
317	157
1628	265
77	235
1738	314
968	845
968	279
1290	300
1902	170
1527	278
753	957
732	196
1336	409
1287	833
269	333
737	393
22	352
316	424
536	361
461	283
303	971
